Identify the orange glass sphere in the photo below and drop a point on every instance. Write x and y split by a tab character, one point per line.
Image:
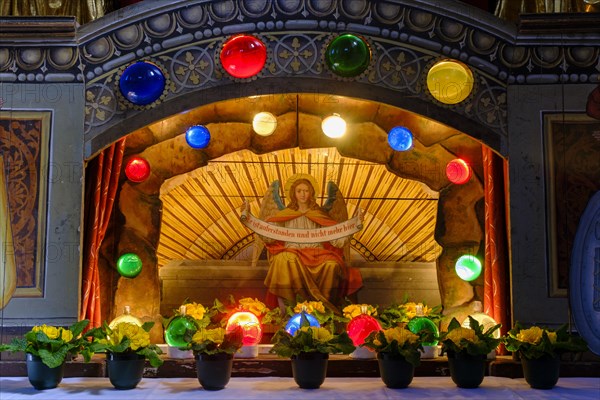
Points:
250	325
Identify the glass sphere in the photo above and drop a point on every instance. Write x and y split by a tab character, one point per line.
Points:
177	329
129	265
418	324
197	136
334	126
468	267
250	326
137	169
458	171
485	321
348	55
243	56
142	83
400	138
450	82
360	327
125	317
296	322
264	123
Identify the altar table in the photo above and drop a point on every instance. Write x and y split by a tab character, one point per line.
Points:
284	388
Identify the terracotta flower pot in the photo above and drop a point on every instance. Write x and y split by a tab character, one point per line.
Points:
40	375
214	370
395	371
467	371
310	369
541	373
125	370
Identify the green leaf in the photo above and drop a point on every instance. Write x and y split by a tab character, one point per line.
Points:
151	355
53	360
148	325
78	327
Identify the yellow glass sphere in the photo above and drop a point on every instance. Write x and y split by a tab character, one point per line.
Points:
450	82
125	317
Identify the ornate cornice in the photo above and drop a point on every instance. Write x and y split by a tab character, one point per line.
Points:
39	50
184	37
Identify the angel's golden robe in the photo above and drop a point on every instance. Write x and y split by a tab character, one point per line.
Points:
313	271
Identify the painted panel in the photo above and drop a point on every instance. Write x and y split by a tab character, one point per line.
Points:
572	144
23	145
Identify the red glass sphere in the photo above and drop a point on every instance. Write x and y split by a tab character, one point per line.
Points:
250	325
360	327
243	56
137	169
458	171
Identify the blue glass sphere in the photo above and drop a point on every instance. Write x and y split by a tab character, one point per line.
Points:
197	136
142	83
296	322
400	138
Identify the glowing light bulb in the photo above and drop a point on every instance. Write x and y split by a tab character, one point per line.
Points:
334	126
264	123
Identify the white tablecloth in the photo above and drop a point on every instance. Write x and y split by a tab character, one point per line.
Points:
285	388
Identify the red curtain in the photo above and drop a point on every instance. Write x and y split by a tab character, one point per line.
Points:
495	288
102	181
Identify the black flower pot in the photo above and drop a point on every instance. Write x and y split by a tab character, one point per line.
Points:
214	370
309	369
467	371
541	373
40	375
125	370
395	371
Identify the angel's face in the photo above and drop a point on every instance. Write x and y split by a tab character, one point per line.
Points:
302	193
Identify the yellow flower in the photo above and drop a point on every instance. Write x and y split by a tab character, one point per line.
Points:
319	334
138	337
532	335
51	331
216	335
457	334
66	335
401	335
255	306
410	309
195	310
354	310
551	336
310	306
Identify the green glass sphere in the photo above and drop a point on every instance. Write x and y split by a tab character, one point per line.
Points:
175	332
418	324
348	55
129	265
468	267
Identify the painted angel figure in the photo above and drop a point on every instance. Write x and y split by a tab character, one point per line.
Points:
307	257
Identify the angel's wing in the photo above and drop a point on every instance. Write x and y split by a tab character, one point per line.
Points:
270	204
335	204
336	207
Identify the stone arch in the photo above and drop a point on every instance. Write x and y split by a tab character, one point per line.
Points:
406	37
140	205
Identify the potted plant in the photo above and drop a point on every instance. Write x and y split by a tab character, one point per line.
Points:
213	350
539	350
467	349
309	350
47	348
184	322
398	353
127	346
